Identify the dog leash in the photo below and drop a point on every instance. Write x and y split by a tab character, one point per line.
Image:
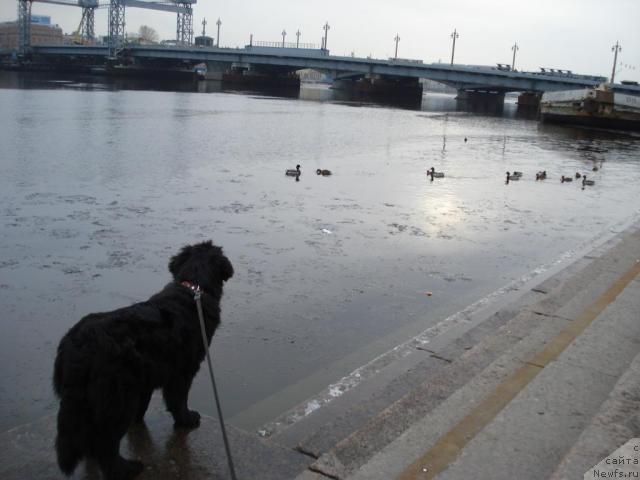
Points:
197	295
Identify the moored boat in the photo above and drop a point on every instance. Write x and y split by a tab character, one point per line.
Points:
597	107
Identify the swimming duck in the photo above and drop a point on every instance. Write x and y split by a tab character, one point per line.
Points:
512	177
293	173
587	182
541	175
435	174
324	173
565	179
517	174
595	169
578	175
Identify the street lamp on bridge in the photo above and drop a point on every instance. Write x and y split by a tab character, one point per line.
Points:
326	30
616	48
397	39
515	48
204	26
454	35
284	34
298	38
218	23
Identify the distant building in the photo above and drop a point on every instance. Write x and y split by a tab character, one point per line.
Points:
41	19
42	32
313	76
203	41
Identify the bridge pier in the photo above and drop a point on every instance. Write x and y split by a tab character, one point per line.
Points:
477	101
381	86
529	100
265	76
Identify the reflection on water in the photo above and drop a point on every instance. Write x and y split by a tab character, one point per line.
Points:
103	180
309	92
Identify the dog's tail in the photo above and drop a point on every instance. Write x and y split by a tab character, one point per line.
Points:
71	440
73	416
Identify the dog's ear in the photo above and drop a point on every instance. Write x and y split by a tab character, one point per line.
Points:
177	261
225	268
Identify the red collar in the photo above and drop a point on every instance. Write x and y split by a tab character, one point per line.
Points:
194	287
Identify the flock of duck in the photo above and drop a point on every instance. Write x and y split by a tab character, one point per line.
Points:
563	179
297	172
511	176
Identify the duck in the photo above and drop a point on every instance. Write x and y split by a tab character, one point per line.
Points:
517	174
324	173
578	175
565	179
541	175
435	174
587	182
595	168
293	173
512	177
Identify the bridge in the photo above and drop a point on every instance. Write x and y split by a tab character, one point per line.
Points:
259	62
494	80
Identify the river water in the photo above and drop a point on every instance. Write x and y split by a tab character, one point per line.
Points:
102	182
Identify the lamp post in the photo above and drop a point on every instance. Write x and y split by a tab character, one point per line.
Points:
284	34
515	48
616	48
204	26
218	23
397	39
454	35
326	30
298	38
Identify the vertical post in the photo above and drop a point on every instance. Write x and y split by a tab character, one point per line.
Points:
204	27
251	40
284	34
515	49
616	48
298	39
218	23
116	26
397	39
24	25
454	35
326	31
184	31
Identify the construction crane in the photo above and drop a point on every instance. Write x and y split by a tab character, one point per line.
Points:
86	29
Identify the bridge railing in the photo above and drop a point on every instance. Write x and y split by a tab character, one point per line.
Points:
309	46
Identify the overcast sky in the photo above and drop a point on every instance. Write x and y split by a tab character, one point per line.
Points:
568	34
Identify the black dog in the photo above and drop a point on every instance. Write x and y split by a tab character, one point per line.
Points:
109	364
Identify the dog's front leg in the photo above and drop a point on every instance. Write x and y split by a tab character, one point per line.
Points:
175	393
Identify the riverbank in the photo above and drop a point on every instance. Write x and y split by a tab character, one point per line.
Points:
543	386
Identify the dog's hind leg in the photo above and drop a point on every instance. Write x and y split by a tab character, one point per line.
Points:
143	404
175	394
112	464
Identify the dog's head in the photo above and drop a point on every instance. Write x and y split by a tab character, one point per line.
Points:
203	264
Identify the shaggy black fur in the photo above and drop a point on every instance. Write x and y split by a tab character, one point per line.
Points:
109	364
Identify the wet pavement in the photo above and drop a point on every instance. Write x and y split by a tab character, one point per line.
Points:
100	186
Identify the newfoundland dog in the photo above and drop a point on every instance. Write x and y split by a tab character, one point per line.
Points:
109	364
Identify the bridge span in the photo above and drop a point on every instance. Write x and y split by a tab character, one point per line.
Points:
465	78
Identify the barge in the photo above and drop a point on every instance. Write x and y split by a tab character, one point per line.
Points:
594	107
